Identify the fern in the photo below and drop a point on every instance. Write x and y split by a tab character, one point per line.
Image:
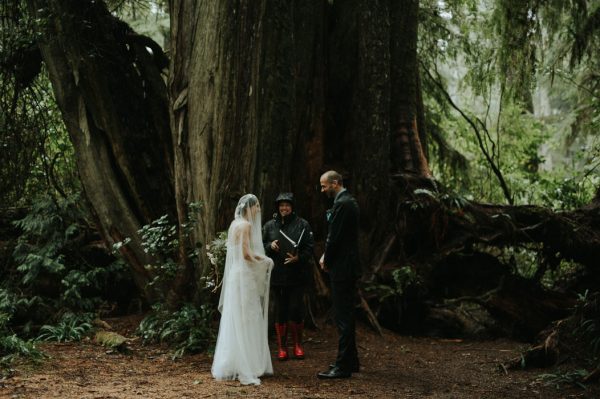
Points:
11	345
70	328
47	229
568	377
188	330
49	250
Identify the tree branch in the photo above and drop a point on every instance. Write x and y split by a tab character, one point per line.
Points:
478	135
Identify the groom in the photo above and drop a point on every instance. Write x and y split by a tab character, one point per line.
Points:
341	261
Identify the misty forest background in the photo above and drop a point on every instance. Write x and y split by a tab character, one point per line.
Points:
467	129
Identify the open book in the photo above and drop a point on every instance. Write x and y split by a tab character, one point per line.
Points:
287	244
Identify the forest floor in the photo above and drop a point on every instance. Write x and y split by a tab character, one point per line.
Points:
392	366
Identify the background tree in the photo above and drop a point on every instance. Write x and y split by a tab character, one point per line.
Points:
318	97
107	82
36	152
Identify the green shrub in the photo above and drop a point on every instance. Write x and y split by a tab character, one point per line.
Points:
588	330
12	346
71	327
216	252
403	277
160	240
47	229
53	276
572	377
51	259
187	330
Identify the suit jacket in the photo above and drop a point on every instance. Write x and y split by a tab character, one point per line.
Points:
341	246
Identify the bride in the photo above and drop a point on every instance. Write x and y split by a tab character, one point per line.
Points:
242	350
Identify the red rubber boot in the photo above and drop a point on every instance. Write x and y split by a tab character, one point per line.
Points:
281	330
297	330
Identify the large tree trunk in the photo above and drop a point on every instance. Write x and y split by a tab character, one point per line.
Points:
114	104
407	152
370	123
247	113
372	102
267	96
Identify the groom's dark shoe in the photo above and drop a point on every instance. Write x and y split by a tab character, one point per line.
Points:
355	368
334	372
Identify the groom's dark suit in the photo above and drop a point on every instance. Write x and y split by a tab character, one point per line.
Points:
341	260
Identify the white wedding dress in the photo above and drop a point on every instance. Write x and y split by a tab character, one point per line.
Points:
242	350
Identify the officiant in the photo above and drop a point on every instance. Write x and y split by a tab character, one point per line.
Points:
288	240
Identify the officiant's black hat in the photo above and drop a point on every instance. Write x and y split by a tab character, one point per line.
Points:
287	197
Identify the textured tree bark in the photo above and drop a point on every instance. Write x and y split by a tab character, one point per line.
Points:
114	104
267	96
370	124
371	99
407	151
246	108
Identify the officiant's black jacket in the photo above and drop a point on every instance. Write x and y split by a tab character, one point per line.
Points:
341	246
292	274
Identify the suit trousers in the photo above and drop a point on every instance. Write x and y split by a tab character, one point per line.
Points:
343	295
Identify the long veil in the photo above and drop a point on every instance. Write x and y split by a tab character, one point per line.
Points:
263	271
242	349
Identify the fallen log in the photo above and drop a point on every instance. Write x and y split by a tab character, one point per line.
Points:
454	247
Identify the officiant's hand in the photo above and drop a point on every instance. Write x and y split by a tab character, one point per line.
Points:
322	263
275	245
290	259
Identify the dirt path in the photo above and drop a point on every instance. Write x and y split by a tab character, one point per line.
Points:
393	367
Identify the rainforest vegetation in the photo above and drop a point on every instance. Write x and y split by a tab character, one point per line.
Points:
466	129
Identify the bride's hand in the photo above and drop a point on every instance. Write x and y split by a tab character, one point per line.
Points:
260	258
